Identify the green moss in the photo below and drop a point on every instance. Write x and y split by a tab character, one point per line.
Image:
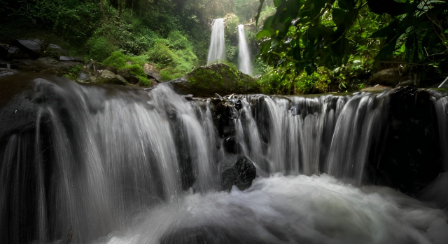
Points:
100	48
134	64
73	73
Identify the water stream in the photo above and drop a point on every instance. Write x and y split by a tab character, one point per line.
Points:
108	165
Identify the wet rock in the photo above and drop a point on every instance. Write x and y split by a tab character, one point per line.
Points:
376	88
411	157
386	77
6	72
72	59
33	47
15	53
205	81
46	65
55	51
107	77
237	170
230	145
126	74
152	72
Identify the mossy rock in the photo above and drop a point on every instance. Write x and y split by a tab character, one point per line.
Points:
206	81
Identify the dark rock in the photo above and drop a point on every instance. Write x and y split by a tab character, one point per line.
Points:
230	145
55	51
126	74
152	72
4	51
46	65
205	81
73	59
238	105
237	170
33	47
15	53
411	157
386	77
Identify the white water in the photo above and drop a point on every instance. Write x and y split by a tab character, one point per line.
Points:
217	49
244	62
294	209
108	164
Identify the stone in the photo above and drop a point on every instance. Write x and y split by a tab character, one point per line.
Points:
107	77
152	72
126	74
205	81
237	170
15	53
376	88
386	77
73	59
33	47
6	72
55	51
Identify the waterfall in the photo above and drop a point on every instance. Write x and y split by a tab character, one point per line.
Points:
217	49
120	165
244	62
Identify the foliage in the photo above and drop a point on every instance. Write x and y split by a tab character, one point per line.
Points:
305	35
73	73
121	61
174	55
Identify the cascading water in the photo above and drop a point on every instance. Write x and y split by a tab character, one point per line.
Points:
105	165
217	49
244	62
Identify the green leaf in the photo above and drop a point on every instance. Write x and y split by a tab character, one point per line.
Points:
264	33
346	4
277	3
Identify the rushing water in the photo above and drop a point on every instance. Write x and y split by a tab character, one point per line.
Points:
244	62
104	165
217	49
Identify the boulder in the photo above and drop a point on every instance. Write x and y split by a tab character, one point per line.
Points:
13	52
376	88
237	170
126	74
55	51
6	72
205	81
411	158
73	59
107	77
33	47
152	72
46	65
387	77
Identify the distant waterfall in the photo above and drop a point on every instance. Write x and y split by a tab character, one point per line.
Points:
217	49
244	63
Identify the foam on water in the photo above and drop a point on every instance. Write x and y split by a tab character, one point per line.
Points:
291	209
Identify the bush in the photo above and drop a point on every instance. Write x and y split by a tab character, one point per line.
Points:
120	61
100	48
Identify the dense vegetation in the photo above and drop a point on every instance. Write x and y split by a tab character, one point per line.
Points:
320	44
305	46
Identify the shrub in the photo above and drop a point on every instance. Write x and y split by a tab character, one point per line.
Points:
100	48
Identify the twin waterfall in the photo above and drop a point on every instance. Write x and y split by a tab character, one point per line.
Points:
217	49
